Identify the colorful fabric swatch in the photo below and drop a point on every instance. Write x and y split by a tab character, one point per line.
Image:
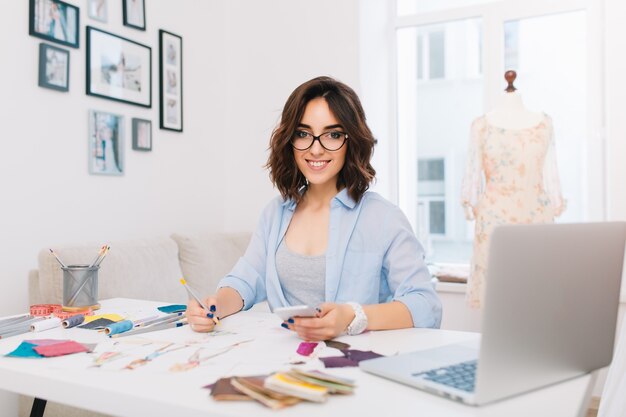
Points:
360	355
337	344
222	390
338	362
111	317
98	324
60	349
174	308
45	342
351	357
306	348
25	350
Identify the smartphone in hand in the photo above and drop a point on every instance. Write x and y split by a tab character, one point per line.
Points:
295	311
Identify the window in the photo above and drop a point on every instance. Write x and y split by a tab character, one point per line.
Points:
434	113
448	72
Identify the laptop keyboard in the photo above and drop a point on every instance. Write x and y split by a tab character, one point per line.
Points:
461	376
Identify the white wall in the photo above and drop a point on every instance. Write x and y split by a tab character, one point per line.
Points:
271	50
615	35
615	107
241	60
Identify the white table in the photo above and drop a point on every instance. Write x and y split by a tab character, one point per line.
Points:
155	391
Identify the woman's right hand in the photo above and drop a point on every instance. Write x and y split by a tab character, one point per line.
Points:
199	320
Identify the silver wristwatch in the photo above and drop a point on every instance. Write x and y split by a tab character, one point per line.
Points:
359	323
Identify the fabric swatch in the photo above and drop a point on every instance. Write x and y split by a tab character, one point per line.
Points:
112	317
306	348
338	362
351	357
60	349
90	346
222	390
24	350
360	355
45	342
98	324
337	344
174	308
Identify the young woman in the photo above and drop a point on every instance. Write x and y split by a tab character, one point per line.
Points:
327	242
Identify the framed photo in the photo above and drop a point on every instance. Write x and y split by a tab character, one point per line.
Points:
118	68
134	12
106	143
142	135
55	21
54	67
171	81
98	10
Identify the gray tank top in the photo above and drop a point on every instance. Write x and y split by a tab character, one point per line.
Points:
302	277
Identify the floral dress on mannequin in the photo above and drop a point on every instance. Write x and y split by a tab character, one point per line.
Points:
511	177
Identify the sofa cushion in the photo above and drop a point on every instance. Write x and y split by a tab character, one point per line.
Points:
207	257
147	269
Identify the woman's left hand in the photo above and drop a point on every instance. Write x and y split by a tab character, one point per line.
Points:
332	320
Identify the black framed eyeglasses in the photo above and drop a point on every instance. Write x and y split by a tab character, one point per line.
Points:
331	141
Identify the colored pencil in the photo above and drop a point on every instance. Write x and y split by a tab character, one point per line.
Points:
143	320
100	252
58	259
106	252
153	328
169	317
193	295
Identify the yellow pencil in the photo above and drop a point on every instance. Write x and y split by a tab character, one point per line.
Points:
193	295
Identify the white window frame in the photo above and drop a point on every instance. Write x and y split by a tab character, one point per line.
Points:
494	15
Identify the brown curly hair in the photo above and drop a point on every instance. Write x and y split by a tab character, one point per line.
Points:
357	173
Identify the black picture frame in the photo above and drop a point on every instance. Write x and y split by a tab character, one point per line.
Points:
118	69
134	13
54	67
54	21
142	134
106	143
170	81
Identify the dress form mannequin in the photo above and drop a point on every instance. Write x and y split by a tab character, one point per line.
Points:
511	177
510	112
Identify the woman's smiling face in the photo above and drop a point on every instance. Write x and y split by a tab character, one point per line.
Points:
319	166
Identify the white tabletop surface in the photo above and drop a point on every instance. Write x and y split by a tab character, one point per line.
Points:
157	391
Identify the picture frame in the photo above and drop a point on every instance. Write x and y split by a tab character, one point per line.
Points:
118	68
170	81
106	143
54	21
98	10
134	13
54	67
142	134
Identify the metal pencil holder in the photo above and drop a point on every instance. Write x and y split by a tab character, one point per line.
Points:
80	287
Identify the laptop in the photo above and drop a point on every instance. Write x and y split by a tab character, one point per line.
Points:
551	301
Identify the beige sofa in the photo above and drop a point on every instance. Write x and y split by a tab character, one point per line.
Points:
147	269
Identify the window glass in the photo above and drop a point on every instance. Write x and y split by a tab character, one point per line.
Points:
551	77
437	103
436	55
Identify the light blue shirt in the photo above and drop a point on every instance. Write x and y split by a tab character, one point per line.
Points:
372	257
